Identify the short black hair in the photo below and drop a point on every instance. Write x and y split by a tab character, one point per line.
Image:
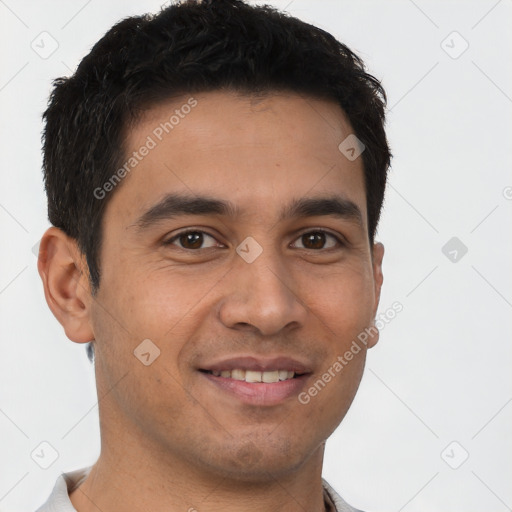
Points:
190	47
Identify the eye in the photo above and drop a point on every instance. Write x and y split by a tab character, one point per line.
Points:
319	239
192	240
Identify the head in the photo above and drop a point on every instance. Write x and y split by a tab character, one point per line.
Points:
228	119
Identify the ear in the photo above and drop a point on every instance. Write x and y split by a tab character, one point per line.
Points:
378	278
63	271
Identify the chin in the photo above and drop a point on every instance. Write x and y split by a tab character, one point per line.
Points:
259	461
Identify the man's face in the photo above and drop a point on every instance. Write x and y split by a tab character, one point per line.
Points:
295	306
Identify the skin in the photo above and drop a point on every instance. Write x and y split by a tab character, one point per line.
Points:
170	440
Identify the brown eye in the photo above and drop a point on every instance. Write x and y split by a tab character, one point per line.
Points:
192	240
316	240
313	240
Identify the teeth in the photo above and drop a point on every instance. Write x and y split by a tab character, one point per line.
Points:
238	374
255	376
283	374
251	376
270	376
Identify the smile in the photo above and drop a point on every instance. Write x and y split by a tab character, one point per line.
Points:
254	376
255	380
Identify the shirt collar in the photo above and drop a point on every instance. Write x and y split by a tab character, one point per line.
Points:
67	482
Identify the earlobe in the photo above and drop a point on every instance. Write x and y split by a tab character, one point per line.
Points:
378	256
65	282
378	278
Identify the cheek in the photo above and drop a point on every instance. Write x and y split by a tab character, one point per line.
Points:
343	301
136	389
341	306
156	304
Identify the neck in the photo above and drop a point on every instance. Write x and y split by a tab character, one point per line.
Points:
130	475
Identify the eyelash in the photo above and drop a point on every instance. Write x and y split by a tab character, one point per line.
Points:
340	242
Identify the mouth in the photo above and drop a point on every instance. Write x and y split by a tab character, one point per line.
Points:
254	376
254	381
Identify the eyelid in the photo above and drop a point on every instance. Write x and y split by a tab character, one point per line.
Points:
339	238
184	231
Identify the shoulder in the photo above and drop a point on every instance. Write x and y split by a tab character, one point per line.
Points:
340	504
59	498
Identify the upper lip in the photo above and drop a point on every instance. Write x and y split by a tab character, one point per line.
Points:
258	364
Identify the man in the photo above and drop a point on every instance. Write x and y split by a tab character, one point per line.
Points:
215	175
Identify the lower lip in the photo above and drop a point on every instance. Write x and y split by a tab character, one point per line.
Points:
258	393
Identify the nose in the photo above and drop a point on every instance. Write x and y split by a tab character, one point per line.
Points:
262	297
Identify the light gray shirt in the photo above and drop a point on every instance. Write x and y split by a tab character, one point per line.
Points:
59	498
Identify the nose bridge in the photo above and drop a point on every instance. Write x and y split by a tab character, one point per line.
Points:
268	282
262	292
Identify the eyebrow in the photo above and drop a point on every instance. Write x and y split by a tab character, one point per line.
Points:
174	205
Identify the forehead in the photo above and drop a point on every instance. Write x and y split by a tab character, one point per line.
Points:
237	119
250	151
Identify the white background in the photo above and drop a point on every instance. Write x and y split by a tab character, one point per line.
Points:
441	371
